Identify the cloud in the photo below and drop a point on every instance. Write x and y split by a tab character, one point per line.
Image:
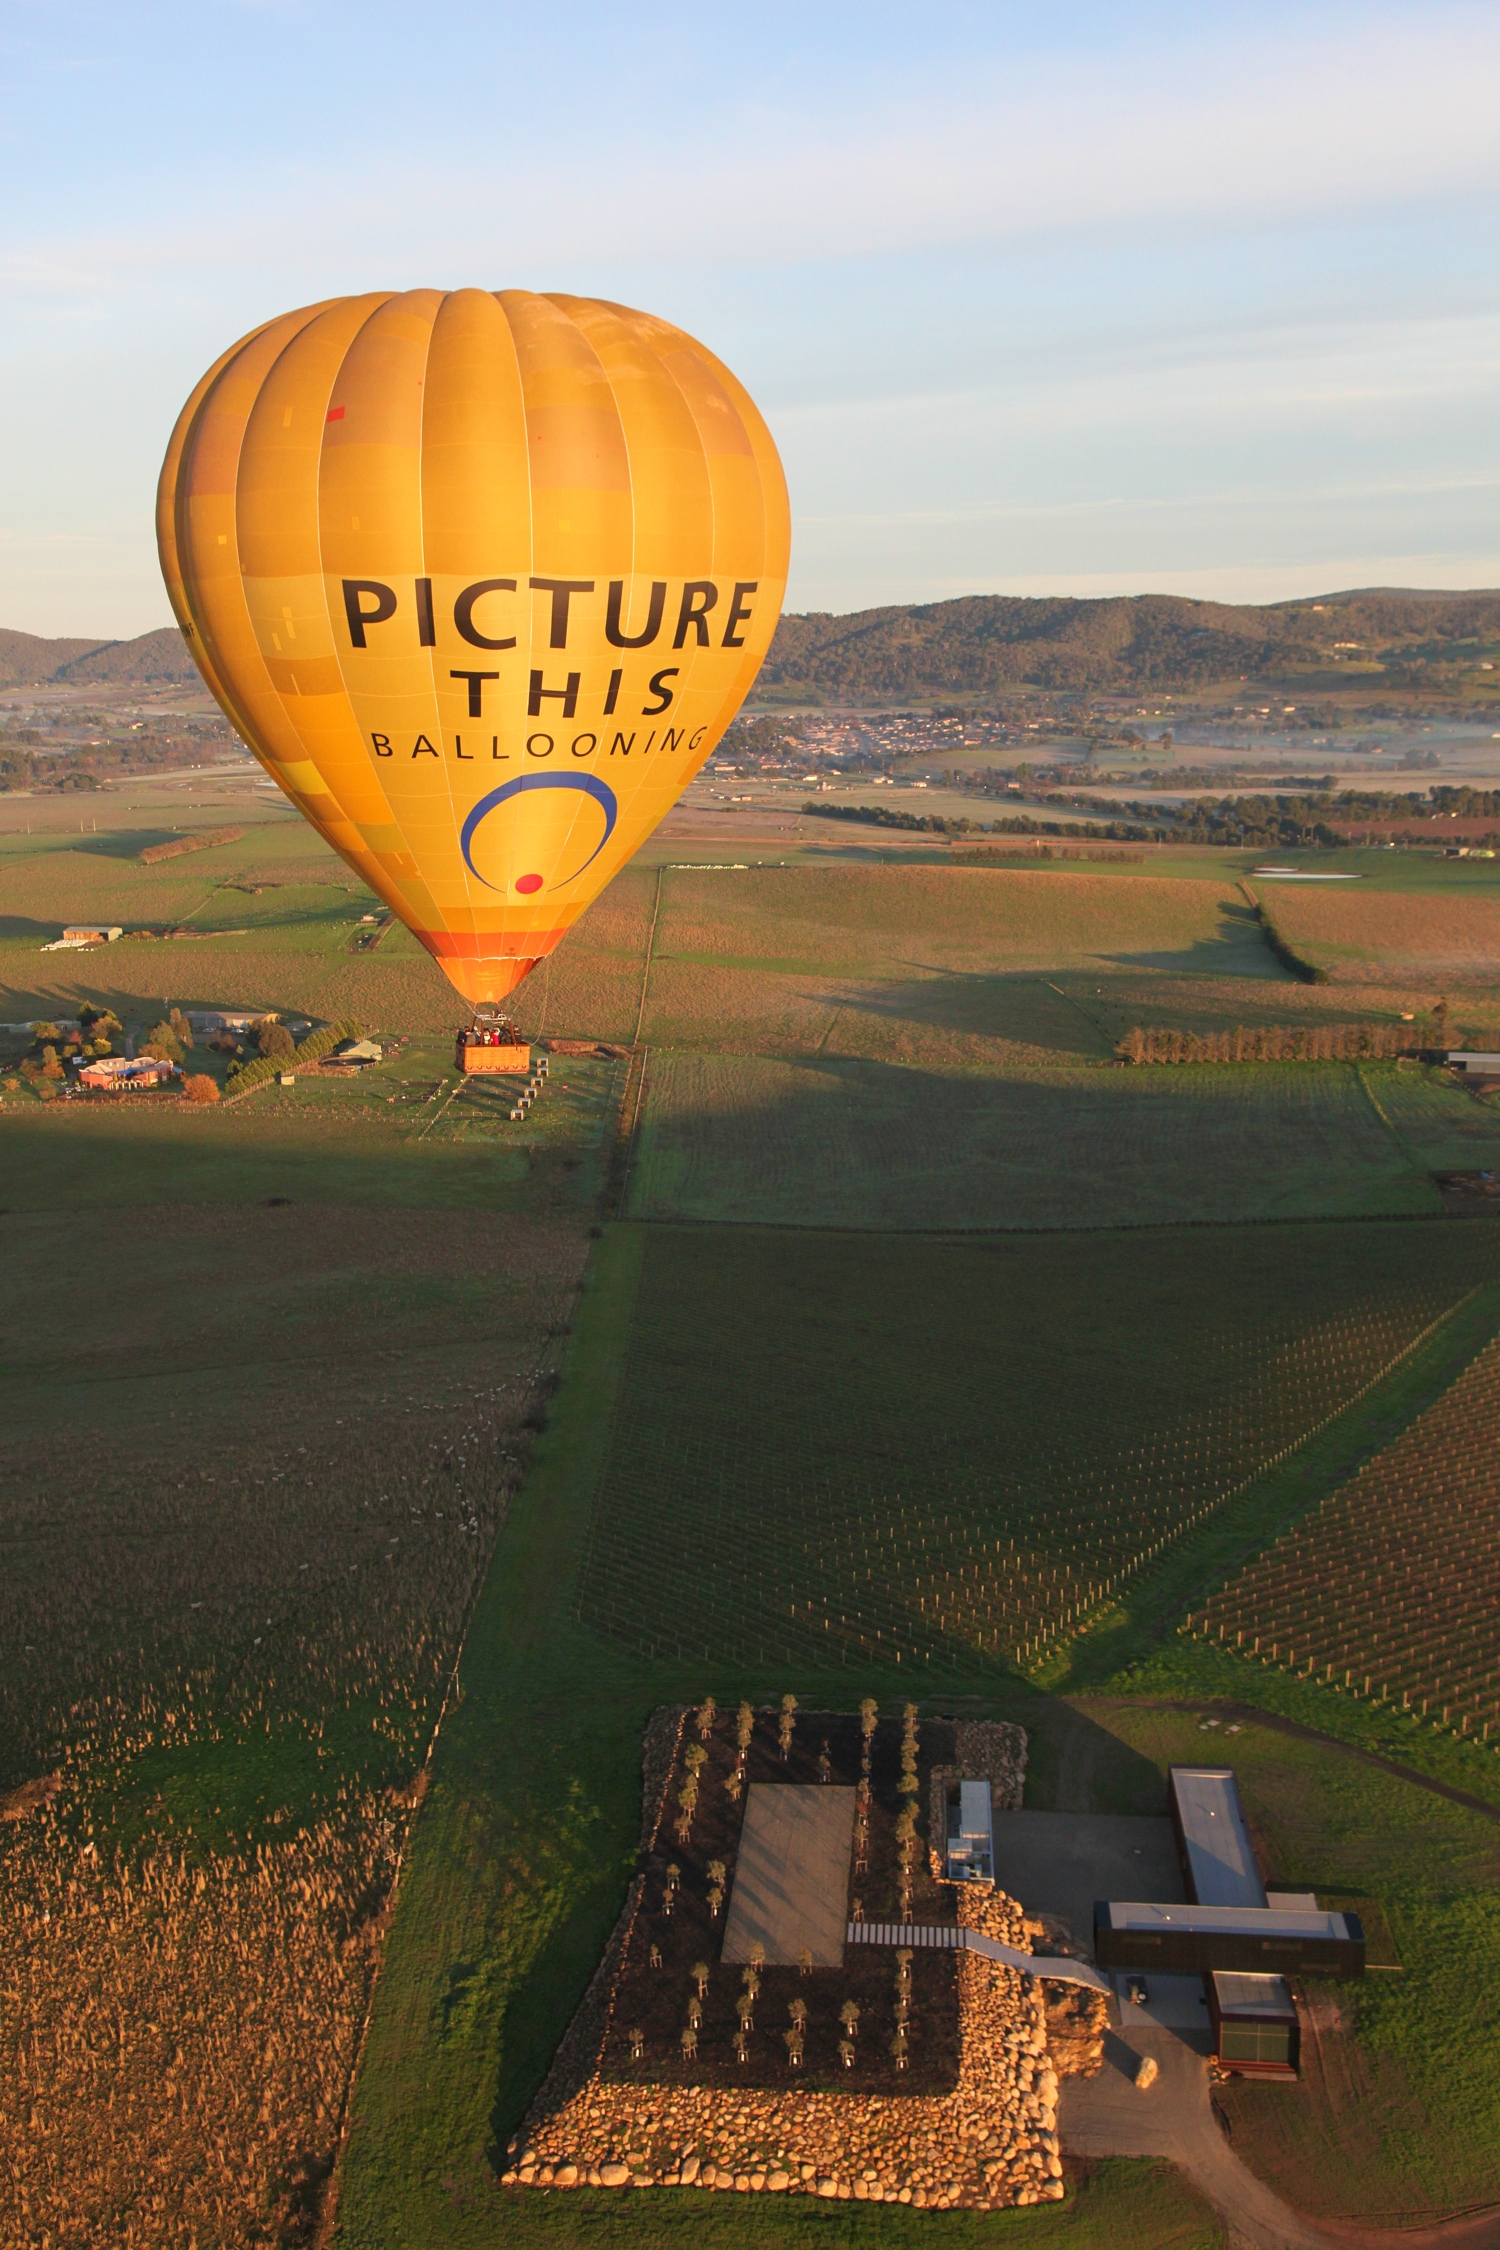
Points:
1213	130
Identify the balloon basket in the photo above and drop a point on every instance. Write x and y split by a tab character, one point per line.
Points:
491	1045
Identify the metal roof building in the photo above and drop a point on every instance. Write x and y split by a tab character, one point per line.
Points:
1213	1841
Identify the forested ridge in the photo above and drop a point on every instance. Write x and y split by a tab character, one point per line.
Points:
984	643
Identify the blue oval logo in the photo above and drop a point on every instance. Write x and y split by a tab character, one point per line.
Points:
590	786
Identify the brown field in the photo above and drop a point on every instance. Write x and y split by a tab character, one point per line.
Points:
1430	939
254	1464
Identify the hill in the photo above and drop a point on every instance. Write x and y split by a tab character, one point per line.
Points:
28	660
985	643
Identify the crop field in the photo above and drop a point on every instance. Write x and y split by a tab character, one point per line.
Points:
834	1141
1392	1588
1418	939
800	1469
269	1376
591	987
881	922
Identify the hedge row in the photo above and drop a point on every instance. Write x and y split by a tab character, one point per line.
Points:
243	1076
203	842
1322	1042
1307	971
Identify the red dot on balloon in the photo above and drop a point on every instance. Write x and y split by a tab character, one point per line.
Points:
528	883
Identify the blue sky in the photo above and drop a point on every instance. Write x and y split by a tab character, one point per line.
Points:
1078	298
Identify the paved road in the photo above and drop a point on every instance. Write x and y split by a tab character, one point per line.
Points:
1108	2116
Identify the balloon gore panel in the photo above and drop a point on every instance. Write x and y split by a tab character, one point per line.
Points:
481	579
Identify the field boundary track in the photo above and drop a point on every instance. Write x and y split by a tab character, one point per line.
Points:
1256	1714
1125	1226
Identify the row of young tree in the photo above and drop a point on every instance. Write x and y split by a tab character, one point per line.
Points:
1281	1042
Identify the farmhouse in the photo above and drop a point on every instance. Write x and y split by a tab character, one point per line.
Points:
122	1074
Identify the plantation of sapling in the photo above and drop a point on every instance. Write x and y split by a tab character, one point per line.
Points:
1389	1590
797	1469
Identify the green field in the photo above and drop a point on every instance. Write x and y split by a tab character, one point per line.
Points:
891	1487
841	1142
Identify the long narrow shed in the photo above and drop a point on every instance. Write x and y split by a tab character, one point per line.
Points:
1213	1840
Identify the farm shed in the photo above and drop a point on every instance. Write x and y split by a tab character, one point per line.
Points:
1213	1841
91	933
1255	2026
1473	1063
1184	1940
359	1051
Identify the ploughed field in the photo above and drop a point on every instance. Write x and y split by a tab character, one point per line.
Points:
1370	937
844	1447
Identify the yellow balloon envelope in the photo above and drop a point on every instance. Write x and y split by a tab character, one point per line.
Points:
481	579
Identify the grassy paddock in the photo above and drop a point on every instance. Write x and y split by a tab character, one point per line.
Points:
1362	937
1113	2205
835	1142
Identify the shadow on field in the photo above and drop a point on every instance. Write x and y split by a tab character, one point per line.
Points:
62	1003
1239	950
1076	1765
125	843
1016	1007
855	1140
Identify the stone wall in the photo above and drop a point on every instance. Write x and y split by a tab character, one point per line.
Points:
990	2144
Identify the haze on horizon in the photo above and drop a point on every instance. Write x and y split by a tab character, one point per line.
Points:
1194	303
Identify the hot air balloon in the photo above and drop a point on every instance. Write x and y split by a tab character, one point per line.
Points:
481	579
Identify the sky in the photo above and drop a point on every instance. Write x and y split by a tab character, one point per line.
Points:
1195	298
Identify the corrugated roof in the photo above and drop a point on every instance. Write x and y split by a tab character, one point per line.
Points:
1253	1921
1221	1858
1240	1994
